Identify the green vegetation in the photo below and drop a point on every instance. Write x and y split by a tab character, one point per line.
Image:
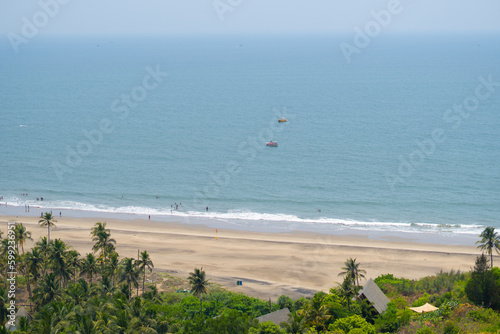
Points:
489	241
99	293
47	220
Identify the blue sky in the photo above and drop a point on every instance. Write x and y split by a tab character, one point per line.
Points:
247	16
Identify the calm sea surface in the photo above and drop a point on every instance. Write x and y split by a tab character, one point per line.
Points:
406	137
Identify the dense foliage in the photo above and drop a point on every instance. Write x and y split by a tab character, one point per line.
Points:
100	292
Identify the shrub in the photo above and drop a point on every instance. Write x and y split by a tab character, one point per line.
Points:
266	328
421	301
424	330
450	328
400	302
349	323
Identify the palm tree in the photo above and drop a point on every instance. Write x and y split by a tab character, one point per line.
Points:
35	261
58	257
129	273
296	323
42	246
104	243
153	294
22	235
198	284
352	271
112	266
346	290
145	263
47	220
4	251
490	241
48	290
102	240
73	262
98	227
89	266
317	312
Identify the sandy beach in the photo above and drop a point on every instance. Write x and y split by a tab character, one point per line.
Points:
269	264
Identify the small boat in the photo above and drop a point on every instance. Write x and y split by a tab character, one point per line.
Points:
281	120
272	144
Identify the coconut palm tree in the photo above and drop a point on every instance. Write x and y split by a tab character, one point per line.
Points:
89	266
21	236
296	323
198	284
47	220
102	240
129	273
73	261
145	263
58	258
48	290
490	241
4	251
346	290
352	271
112	266
104	243
42	246
317	312
35	261
98	227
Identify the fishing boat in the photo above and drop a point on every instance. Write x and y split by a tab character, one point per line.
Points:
272	144
281	120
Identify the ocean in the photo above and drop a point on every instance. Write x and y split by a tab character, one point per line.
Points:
403	138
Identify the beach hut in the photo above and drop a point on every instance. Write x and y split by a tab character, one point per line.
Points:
424	308
276	317
374	295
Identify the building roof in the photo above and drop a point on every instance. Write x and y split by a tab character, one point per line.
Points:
372	292
276	317
424	308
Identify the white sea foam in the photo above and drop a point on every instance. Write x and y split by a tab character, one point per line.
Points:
241	217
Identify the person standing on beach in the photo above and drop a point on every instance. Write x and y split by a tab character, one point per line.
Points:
206	208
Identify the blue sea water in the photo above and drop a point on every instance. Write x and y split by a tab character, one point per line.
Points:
136	124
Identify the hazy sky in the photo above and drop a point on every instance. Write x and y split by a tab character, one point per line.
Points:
245	16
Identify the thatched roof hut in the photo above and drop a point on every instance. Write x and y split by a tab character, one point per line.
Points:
374	295
276	317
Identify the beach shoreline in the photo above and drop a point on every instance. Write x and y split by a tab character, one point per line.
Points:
295	263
